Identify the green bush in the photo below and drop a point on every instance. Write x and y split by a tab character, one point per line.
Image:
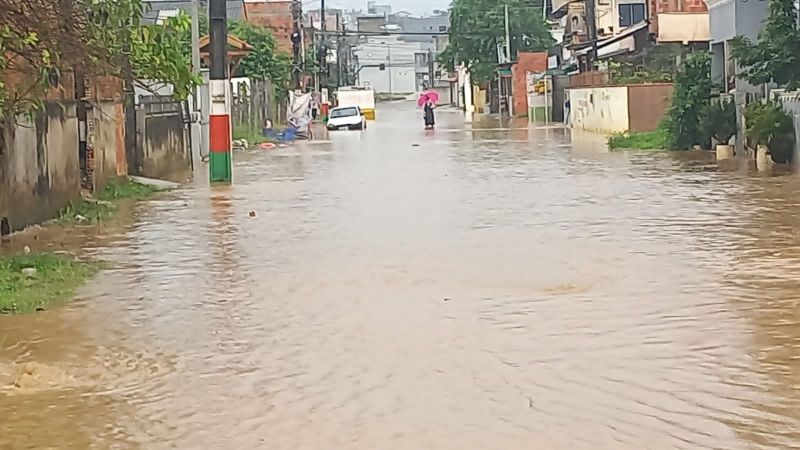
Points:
768	124
690	97
648	140
719	120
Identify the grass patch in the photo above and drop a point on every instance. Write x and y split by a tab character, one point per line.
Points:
103	206
56	279
648	140
253	137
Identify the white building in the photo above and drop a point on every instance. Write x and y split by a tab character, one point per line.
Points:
387	64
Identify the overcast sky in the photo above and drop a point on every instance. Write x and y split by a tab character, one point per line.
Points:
421	7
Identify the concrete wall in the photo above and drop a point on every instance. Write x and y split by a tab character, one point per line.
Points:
750	17
617	109
167	154
647	105
599	109
479	99
399	75
432	24
107	138
162	148
371	23
721	17
39	167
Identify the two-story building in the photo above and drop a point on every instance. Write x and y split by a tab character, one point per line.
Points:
626	27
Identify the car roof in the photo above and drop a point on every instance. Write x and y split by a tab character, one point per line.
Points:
345	107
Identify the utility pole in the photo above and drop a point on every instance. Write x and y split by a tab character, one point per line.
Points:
195	42
508	34
430	69
195	127
591	30
339	50
323	49
220	158
507	55
297	43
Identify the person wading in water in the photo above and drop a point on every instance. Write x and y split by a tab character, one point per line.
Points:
429	119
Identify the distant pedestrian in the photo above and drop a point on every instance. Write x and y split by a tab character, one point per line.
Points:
567	110
314	106
430	122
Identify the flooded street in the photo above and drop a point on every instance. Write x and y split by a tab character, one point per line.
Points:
467	288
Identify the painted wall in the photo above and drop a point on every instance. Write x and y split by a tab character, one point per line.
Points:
526	62
647	105
599	109
39	167
479	99
617	109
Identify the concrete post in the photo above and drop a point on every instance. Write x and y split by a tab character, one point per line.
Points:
220	157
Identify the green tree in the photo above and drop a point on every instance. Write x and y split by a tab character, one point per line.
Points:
776	54
156	53
683	124
265	61
478	26
92	37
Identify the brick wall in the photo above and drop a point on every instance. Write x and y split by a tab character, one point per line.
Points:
526	62
275	16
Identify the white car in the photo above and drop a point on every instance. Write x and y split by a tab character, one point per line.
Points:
346	118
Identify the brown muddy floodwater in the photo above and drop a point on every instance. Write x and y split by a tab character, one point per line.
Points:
456	289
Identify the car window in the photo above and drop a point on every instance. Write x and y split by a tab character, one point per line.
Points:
344	112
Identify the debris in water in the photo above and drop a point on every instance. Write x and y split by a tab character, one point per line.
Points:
29	272
81	218
447	299
252	213
415	145
26	250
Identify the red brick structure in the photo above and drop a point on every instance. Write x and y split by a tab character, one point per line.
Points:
526	62
275	16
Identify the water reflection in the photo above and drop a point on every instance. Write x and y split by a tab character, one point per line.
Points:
470	287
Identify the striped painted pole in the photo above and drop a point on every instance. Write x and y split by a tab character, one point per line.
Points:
220	148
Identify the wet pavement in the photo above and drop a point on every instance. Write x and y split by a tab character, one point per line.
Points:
469	287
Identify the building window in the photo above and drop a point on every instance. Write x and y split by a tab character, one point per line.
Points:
442	28
631	14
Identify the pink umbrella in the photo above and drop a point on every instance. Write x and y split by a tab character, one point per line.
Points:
428	96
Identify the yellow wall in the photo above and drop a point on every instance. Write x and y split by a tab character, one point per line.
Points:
479	99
